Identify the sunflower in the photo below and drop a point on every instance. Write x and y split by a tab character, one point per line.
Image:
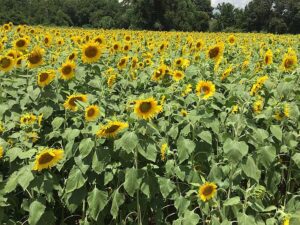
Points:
72	56
122	63
258	106
45	78
111	80
188	89
91	52
21	43
67	70
32	136
183	112
92	112
289	61
1	152
28	119
216	52
231	39
47	158
207	191
286	221
111	129
206	89
35	58
226	73
6	63
47	40
199	44
178	75
268	58
282	113
163	150
235	109
147	108
70	102
116	47
99	39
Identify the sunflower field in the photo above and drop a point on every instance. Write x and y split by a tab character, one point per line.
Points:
141	127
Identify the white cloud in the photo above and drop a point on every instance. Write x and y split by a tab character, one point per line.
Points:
236	3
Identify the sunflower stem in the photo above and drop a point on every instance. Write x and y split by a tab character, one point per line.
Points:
137	193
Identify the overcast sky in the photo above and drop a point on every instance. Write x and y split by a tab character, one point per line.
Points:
236	3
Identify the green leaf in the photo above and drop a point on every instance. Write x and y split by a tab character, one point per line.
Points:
166	186
57	122
276	131
11	183
36	210
296	159
251	170
266	155
97	200
132	181
206	136
25	176
181	204
128	142
235	150
244	219
86	146
232	201
75	180
117	200
190	218
185	148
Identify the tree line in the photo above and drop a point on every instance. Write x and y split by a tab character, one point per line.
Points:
276	16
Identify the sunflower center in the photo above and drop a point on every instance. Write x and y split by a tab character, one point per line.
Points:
20	43
34	58
43	77
116	47
205	89
45	158
178	62
67	69
207	190
46	40
99	40
126	48
145	107
178	75
288	63
5	63
213	53
72	100
122	62
198	45
91	51
91	112
112	129
72	56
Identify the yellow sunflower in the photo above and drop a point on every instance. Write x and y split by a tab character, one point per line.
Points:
284	112
258	106
231	39
72	56
6	63
28	119
70	102
91	52
47	40
45	78
289	61
92	112
188	89
216	52
48	158
1	151
163	151
268	59
207	191
206	89
35	58
227	72
178	75
21	43
67	70
111	129
111	80
147	108
122	63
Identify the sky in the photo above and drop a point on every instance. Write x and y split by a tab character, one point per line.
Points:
236	3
